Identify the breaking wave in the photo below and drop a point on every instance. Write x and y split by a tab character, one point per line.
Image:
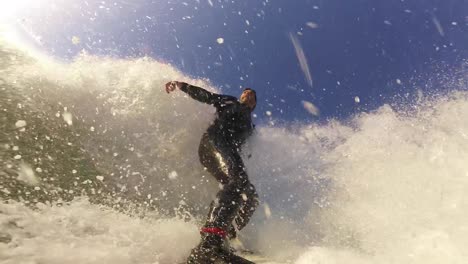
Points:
99	165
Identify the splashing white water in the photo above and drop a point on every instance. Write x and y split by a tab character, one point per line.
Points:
389	187
401	187
83	233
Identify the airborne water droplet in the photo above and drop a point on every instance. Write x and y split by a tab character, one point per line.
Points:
173	175
267	210
68	118
26	174
20	123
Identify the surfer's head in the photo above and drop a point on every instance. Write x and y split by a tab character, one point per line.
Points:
249	98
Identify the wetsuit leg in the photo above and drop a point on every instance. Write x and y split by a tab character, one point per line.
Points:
248	207
225	164
209	159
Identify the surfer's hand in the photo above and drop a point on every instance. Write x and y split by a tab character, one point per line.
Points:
171	86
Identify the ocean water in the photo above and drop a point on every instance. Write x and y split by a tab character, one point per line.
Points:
99	165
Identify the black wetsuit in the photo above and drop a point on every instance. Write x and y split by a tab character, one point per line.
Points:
219	152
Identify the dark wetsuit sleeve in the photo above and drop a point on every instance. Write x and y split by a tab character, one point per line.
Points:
205	96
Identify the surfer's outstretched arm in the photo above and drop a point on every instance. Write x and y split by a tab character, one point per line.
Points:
198	93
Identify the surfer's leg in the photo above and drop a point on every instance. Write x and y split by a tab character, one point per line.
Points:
248	207
231	197
221	160
223	211
209	158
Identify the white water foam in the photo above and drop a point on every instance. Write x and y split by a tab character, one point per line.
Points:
84	233
386	187
400	188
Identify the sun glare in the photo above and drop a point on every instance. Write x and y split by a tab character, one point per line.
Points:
9	9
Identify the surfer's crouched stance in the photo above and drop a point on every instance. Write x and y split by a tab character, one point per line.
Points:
219	153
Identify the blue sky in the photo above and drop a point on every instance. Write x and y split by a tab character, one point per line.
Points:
378	50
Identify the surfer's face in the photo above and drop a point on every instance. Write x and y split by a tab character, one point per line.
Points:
248	98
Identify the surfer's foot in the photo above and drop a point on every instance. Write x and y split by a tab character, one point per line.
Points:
211	250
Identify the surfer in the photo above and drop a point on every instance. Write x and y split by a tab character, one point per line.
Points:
219	153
